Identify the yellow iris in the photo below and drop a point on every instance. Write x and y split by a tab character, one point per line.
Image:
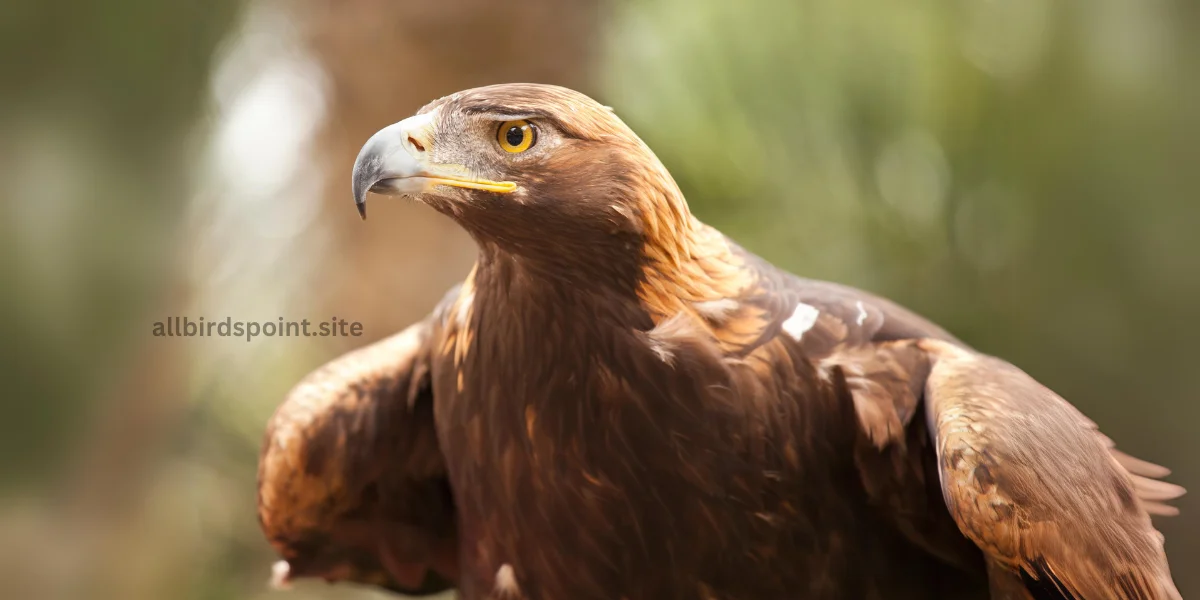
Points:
516	136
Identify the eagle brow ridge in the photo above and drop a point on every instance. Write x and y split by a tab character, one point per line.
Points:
506	113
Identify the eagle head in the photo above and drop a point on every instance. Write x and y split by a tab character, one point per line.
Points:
536	171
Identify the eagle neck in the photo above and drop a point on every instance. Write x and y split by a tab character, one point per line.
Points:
553	330
549	286
698	265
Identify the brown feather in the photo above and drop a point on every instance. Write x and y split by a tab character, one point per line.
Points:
1032	482
631	406
352	484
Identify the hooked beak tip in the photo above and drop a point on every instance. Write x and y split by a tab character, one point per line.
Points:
368	170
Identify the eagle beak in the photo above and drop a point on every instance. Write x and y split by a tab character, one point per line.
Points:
395	161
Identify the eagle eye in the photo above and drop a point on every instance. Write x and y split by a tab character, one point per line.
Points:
516	136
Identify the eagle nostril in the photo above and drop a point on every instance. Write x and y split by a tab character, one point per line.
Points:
416	144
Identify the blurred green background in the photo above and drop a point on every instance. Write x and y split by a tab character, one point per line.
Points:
1025	172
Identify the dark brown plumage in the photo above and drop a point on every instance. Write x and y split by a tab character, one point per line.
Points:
619	402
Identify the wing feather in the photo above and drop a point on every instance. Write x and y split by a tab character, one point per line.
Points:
1051	502
1032	482
352	484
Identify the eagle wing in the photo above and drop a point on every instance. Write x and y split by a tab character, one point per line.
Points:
1055	509
1038	488
351	483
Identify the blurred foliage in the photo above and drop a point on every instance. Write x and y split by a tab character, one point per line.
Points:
97	102
1023	172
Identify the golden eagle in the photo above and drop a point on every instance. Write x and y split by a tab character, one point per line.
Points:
620	403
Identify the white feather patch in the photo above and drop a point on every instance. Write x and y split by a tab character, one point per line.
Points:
462	316
661	349
716	310
281	575
802	319
506	582
667	336
862	313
